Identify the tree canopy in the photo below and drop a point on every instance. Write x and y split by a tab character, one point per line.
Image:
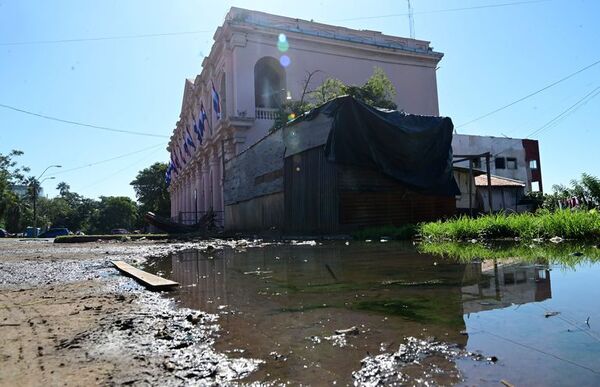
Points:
151	190
377	91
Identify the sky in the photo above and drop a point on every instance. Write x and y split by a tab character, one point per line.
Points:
495	53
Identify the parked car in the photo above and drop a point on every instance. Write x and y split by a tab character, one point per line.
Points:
3	233
54	232
118	231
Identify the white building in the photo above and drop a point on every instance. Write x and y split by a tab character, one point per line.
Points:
512	158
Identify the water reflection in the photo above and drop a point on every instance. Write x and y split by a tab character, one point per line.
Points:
281	303
499	285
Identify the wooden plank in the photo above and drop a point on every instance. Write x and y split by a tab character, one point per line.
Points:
146	279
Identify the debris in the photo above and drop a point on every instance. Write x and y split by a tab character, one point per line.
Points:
506	383
551	314
556	239
349	331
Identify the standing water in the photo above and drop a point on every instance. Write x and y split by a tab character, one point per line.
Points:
344	314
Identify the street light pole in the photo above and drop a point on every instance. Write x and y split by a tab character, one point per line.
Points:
35	192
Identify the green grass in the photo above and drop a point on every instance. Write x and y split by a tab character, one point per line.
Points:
575	225
94	238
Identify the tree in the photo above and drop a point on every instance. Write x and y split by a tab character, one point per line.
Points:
587	190
151	190
114	212
378	91
12	207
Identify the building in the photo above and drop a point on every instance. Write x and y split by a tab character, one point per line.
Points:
258	60
512	158
341	167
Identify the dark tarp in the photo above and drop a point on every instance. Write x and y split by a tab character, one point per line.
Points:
415	150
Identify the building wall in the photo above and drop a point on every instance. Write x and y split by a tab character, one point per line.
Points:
245	38
500	147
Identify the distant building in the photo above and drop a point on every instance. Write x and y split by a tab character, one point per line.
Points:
22	190
259	60
513	158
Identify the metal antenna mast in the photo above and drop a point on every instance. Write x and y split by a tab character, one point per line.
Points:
411	20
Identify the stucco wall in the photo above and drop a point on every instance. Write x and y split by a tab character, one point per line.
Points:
464	144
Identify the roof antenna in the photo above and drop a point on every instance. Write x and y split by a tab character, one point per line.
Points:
411	20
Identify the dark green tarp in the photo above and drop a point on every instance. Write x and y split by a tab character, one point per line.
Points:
415	150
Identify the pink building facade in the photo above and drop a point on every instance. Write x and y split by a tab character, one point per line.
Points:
257	61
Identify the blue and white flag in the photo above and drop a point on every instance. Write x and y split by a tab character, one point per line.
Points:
181	155
175	162
168	174
189	139
216	101
186	149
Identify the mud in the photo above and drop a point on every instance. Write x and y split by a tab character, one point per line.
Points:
68	317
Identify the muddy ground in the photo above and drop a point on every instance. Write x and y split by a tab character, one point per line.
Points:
67	317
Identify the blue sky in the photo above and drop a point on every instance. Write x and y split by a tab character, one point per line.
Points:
493	56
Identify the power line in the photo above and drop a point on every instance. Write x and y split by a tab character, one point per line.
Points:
81	123
582	101
115	173
106	161
95	39
445	10
528	95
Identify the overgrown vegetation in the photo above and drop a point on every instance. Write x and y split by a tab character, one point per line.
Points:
378	91
586	190
568	224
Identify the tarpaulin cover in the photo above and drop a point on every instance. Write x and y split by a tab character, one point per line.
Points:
415	150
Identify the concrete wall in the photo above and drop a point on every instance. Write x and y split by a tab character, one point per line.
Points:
499	147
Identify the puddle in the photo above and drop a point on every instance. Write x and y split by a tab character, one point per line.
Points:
337	313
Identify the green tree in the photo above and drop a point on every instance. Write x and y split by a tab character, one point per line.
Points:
378	91
114	212
13	208
151	190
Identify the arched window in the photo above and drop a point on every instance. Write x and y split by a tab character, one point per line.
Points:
269	83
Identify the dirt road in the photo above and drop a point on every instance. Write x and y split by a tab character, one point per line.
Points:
68	318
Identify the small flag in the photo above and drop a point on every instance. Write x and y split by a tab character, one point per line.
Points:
181	155
168	174
197	129
216	101
175	162
189	139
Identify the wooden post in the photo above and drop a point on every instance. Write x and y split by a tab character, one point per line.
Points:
489	180
471	187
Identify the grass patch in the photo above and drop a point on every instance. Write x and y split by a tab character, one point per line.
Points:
574	225
94	238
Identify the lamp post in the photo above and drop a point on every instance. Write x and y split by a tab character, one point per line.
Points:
35	192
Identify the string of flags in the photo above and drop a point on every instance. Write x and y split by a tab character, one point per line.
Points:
177	159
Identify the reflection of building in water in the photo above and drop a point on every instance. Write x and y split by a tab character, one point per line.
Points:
493	285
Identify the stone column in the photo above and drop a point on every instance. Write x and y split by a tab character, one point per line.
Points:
207	192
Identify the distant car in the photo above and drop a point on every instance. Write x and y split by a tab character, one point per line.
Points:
118	231
54	232
3	233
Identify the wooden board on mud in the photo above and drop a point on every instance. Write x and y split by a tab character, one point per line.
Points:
147	279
